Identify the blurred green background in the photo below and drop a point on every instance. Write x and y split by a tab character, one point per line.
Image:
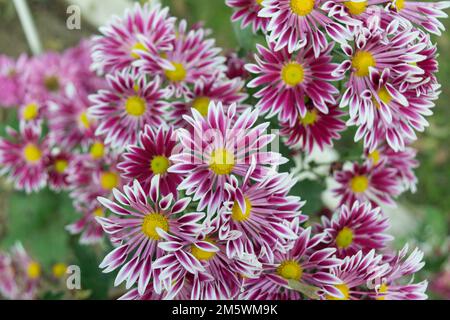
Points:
39	220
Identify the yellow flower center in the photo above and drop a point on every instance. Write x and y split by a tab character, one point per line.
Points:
384	96
310	118
177	75
237	213
61	165
362	61
135	106
382	292
201	104
152	222
400	4
30	112
356	8
293	74
375	157
359	184
109	180
259	2
32	153
137	46
302	7
344	238
98	212
160	164
59	270
344	289
201	254
222	162
52	83
34	270
290	270
97	150
84	120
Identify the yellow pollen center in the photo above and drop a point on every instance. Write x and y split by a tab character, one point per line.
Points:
98	212
32	153
152	222
30	112
97	150
310	118
344	238
34	270
293	74
384	96
222	162
362	61
382	292
59	270
344	289
84	120
201	104
52	83
135	106
302	7
259	2
359	184
109	180
237	213
61	165
356	8
400	4
201	254
290	270
137	46
375	157
160	164
177	75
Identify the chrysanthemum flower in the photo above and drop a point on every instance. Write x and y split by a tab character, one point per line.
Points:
218	147
137	225
295	24
290	80
377	184
126	107
352	13
247	12
91	232
23	158
401	267
58	167
193	58
357	228
315	129
116	49
150	157
31	111
215	89
11	88
302	263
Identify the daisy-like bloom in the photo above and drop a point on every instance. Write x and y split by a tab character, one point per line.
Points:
23	158
11	89
116	49
402	266
218	147
303	264
377	184
290	80
247	12
295	24
32	111
90	231
357	228
58	166
425	14
150	157
216	89
352	13
193	58
126	107
137	223
315	129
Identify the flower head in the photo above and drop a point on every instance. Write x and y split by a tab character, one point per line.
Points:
247	11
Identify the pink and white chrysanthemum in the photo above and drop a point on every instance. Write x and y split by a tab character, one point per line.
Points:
193	58
138	222
290	80
126	107
31	111
357	228
354	273
58	164
295	24
90	231
11	88
116	49
315	129
303	263
23	158
218	147
150	157
377	184
352	13
247	12
402	266
215	89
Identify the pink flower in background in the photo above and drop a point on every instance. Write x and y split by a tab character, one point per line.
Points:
441	284
235	66
119	45
58	164
90	231
247	12
289	81
11	88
